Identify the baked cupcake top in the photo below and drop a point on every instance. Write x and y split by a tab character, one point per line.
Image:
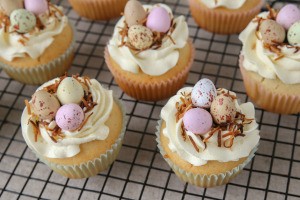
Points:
271	44
64	113
205	124
230	4
28	27
147	39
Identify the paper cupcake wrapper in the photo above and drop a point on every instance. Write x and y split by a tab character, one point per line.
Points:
221	22
200	179
98	9
268	99
92	167
150	91
40	74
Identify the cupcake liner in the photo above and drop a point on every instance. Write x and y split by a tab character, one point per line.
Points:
268	99
221	22
40	74
92	167
150	91
100	9
199	179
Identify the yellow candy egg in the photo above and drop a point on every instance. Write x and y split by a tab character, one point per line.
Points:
44	105
134	13
223	109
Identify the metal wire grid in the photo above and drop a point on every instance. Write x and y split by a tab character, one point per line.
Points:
140	172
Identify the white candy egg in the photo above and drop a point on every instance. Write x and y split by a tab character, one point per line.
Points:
70	91
203	93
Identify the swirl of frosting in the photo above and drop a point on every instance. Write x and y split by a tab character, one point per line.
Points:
242	146
152	62
266	63
37	41
230	4
94	129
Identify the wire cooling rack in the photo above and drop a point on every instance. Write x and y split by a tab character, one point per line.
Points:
140	171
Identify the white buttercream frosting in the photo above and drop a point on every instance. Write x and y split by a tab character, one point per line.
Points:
230	4
261	60
152	62
36	41
242	146
94	129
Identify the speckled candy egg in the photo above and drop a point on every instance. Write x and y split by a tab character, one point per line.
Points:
197	120
70	91
203	93
7	6
69	117
36	6
223	109
288	15
294	34
140	37
159	20
134	13
44	105
22	20
271	32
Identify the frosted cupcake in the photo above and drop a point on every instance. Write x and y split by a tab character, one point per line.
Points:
98	9
149	53
270	60
206	136
36	40
74	126
224	16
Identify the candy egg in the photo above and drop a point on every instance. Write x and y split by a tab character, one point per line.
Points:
22	20
294	34
223	109
271	32
69	117
197	120
70	91
140	37
36	6
288	15
7	6
159	20
134	13
203	93
44	105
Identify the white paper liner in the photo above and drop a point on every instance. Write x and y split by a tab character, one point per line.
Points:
199	179
92	167
222	22
40	74
98	10
150	91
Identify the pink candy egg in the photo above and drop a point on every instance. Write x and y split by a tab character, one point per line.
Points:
288	15
69	117
197	120
223	109
159	20
203	93
36	6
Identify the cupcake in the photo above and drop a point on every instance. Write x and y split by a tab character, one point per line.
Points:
224	16
74	126
36	40
270	60
206	136
149	53
98	9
